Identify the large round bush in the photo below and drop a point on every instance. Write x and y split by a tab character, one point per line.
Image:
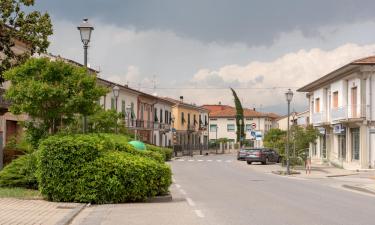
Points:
92	168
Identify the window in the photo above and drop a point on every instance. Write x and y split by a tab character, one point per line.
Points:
205	120
161	116
188	118
166	114
112	103
195	119
141	111
249	118
182	118
354	102
123	107
156	119
213	127
231	127
317	105
355	143
335	99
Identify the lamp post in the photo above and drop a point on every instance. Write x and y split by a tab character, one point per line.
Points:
116	93
85	30
289	97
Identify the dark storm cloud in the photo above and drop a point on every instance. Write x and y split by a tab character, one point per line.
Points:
252	22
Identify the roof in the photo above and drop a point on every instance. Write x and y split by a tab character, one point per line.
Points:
183	104
338	73
226	111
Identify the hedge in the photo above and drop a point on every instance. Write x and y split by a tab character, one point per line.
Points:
93	168
166	152
20	173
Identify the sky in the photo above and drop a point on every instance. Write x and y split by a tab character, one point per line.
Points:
201	48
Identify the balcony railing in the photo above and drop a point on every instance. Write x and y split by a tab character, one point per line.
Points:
162	126
349	112
319	117
191	127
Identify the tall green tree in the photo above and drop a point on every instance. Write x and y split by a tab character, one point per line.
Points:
52	92
239	117
276	139
19	22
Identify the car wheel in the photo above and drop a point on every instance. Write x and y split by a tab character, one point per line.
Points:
248	162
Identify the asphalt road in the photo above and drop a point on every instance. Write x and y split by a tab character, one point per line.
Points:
220	190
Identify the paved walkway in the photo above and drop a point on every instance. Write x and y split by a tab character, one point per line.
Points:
28	212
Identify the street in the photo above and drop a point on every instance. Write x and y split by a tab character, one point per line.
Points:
221	190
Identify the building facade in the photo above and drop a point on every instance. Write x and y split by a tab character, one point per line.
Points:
162	123
342	108
222	124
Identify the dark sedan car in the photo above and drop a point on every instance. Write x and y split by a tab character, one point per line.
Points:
242	153
263	155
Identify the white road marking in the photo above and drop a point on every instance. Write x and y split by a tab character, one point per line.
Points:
228	161
200	160
191	160
181	160
199	213
209	160
190	202
178	186
218	160
183	192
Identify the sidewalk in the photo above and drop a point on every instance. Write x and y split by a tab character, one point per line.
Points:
28	212
174	212
363	181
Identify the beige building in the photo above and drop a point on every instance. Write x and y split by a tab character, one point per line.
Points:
342	108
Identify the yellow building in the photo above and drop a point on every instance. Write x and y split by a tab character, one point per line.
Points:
187	125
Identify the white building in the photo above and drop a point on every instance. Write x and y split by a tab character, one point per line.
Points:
222	124
162	126
300	119
342	107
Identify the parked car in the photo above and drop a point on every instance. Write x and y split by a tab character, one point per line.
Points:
263	155
242	153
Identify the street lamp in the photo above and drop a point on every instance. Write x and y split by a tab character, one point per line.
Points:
116	93
289	97
85	30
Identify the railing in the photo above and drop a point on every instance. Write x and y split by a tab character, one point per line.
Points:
349	112
162	126
190	127
319	117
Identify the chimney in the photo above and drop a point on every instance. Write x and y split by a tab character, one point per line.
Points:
219	103
254	109
182	98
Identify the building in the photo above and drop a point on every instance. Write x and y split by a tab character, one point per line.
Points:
162	123
189	125
222	124
342	108
9	123
300	119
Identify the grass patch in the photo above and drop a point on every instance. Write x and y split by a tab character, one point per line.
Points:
22	193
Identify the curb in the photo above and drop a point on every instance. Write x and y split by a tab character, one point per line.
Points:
358	189
342	175
69	218
160	199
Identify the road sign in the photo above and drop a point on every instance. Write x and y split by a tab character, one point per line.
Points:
253	125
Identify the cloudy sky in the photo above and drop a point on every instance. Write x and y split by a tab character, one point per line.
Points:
199	48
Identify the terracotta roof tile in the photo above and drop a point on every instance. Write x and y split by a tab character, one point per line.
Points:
229	111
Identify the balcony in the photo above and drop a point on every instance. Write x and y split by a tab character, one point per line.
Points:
349	112
162	126
191	127
142	124
319	117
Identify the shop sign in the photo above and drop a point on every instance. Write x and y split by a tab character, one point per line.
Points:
258	135
322	130
338	129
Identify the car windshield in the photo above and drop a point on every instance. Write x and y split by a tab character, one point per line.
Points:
253	150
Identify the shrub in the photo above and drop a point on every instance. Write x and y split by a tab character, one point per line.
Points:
93	168
165	152
293	161
20	173
120	143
